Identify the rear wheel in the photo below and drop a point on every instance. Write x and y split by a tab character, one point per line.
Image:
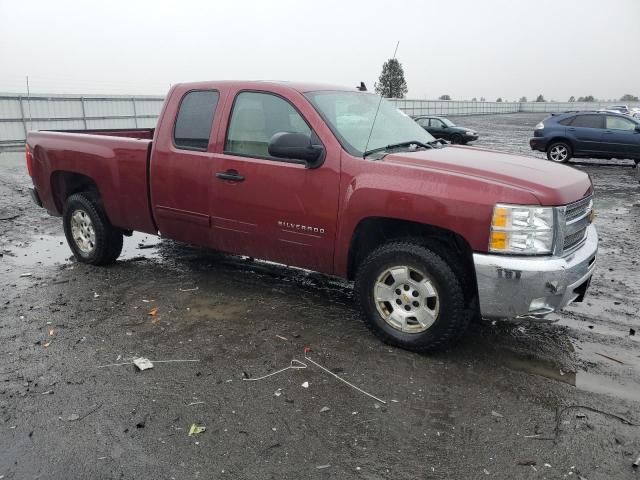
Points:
90	236
559	152
410	297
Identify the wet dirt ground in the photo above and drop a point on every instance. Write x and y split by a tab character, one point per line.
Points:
492	407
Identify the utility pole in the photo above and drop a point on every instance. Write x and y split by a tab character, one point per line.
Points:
28	102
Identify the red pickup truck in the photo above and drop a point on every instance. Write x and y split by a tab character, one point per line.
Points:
336	181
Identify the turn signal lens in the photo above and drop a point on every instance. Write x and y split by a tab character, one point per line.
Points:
500	216
498	241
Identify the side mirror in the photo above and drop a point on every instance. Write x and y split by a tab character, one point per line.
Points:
638	127
297	146
445	126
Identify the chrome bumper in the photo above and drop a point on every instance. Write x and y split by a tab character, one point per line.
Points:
532	287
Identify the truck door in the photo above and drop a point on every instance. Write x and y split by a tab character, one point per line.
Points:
268	207
180	184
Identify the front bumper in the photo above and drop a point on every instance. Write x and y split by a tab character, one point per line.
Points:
532	287
469	138
538	143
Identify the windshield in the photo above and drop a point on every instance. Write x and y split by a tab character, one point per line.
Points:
447	122
350	116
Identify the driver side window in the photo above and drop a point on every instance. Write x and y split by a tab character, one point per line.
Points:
619	123
435	123
255	118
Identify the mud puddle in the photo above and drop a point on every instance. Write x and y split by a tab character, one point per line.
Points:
592	366
53	250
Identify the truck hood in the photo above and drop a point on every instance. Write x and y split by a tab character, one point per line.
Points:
551	183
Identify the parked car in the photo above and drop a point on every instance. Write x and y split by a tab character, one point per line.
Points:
588	134
444	128
624	109
635	112
303	175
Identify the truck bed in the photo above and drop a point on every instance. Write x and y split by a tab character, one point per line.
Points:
115	162
140	133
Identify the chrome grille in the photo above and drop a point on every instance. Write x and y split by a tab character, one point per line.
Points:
577	219
579	208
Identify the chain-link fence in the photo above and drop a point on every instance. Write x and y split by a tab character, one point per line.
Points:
20	114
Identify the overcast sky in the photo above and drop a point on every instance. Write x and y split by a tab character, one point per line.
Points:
464	48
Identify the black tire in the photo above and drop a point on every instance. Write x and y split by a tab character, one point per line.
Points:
456	139
452	318
107	244
554	152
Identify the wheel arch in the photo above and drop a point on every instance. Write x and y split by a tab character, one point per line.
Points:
371	232
561	138
65	183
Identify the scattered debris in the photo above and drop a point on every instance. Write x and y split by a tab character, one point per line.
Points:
11	217
151	361
632	332
96	295
486	472
278	392
610	358
528	462
496	414
196	429
324	409
195	403
560	412
46	344
580	415
28	274
189	289
142	246
153	312
143	363
294	365
48	392
307	349
305	385
321	467
636	464
282	338
547	465
74	417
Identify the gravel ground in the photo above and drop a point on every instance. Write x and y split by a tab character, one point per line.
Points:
492	407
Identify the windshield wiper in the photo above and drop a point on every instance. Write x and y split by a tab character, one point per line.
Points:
395	145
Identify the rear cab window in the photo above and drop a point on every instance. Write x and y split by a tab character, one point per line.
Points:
194	120
566	121
255	118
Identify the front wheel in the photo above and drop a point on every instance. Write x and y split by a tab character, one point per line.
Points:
410	297
457	139
90	236
559	152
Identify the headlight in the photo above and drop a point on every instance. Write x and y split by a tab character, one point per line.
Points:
469	132
539	126
516	229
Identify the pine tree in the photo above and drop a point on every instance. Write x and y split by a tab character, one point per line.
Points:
391	83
